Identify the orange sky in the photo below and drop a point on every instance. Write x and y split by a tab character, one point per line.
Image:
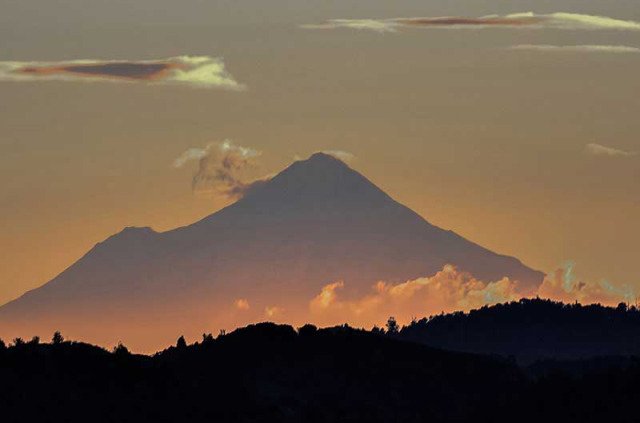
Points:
477	138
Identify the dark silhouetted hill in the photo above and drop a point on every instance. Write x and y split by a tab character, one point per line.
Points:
531	329
271	373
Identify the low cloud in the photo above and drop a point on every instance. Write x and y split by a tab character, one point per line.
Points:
199	71
576	48
273	312
222	169
451	290
563	285
563	21
601	150
241	304
448	290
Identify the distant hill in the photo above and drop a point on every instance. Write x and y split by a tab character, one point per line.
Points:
532	329
316	222
271	373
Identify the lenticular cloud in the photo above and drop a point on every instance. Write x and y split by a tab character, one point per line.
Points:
561	20
199	71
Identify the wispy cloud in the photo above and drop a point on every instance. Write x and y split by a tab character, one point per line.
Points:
380	26
589	48
580	21
563	285
561	20
221	169
200	71
601	150
345	156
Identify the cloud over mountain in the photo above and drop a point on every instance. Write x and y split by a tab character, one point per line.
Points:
221	169
197	71
345	156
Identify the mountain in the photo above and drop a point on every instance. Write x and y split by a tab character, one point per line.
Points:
316	222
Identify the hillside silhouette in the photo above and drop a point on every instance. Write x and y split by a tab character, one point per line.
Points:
531	329
275	373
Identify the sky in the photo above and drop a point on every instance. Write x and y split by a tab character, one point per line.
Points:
518	131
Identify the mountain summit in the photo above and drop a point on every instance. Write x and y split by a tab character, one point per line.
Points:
316	222
320	179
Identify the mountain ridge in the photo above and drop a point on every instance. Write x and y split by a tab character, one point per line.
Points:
316	222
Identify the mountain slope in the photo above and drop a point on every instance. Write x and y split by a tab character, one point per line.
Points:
316	222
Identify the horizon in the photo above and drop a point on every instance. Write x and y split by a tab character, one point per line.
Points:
319	211
308	189
524	148
511	125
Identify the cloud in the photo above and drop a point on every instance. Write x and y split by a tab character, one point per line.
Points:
221	169
199	71
576	48
448	290
342	155
273	312
563	21
380	26
241	304
580	21
563	285
601	150
451	290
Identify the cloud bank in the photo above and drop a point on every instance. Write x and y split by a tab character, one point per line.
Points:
601	150
561	20
451	290
221	169
576	48
200	71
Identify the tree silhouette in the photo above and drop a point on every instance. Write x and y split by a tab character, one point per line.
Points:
307	330
392	326
3	346
18	342
57	338
35	340
120	349
181	344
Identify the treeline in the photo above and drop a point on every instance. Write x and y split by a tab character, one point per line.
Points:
532	329
269	373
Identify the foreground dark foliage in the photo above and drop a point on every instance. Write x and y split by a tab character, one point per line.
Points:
532	329
270	373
